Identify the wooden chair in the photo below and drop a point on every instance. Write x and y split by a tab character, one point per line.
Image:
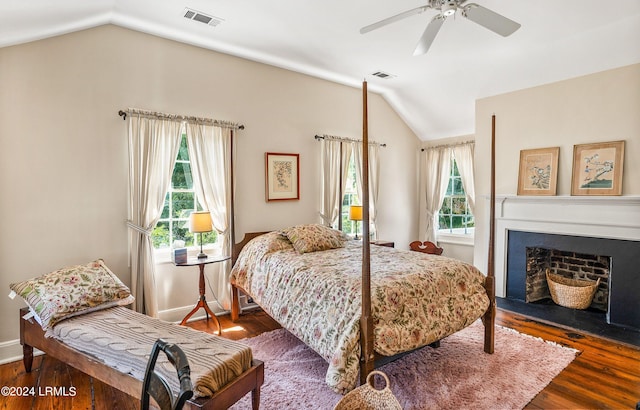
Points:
156	386
425	247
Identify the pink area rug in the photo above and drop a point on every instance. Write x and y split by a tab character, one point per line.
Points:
456	375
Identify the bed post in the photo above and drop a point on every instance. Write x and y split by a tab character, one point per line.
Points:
235	302
366	320
489	317
235	253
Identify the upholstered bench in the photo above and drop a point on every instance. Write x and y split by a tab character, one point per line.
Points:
76	314
113	345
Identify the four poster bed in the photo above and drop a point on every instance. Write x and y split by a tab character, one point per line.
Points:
307	278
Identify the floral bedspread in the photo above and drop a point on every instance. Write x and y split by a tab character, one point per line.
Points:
416	298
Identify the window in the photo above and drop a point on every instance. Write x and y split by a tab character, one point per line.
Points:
180	201
454	215
349	198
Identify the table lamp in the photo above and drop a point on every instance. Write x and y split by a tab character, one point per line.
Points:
200	222
355	214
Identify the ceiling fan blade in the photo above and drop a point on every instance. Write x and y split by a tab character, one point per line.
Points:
429	35
393	19
490	19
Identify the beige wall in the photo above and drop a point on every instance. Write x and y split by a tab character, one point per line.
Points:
63	153
595	108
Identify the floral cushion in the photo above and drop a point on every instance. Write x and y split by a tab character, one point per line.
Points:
274	241
72	291
314	237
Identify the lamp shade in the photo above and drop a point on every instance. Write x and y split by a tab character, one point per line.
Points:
355	212
200	222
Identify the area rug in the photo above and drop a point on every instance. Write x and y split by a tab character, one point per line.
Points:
456	375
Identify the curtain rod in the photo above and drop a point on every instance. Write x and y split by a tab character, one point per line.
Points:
449	145
335	138
152	114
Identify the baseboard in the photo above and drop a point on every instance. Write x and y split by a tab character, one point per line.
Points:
11	351
176	315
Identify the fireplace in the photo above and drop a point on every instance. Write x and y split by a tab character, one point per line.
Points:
623	301
588	237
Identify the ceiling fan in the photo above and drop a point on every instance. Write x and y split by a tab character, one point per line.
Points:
447	8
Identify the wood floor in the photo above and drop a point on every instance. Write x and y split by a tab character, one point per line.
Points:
606	375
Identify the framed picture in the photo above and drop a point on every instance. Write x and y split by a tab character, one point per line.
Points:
282	180
597	168
538	173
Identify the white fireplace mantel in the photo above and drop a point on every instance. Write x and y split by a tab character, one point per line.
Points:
592	216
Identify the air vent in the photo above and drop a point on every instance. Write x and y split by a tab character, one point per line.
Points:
382	74
195	15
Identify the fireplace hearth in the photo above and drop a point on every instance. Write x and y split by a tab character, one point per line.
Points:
588	321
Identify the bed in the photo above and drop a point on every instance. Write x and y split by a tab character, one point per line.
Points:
417	299
349	303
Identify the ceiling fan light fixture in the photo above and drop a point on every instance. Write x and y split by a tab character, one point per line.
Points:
448	8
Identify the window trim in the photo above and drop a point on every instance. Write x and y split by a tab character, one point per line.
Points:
456	238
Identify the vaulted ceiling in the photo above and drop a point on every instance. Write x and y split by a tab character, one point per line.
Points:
434	93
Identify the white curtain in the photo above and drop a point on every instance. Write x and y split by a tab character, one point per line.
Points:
330	184
333	153
464	155
434	174
374	178
153	148
210	155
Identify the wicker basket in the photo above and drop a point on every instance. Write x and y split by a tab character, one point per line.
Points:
366	397
571	293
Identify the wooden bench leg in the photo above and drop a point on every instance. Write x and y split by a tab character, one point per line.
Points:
255	393
27	350
27	357
255	398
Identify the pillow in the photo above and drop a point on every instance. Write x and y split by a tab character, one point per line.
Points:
275	241
314	237
72	291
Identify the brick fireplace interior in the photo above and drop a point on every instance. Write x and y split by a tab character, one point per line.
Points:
617	301
570	265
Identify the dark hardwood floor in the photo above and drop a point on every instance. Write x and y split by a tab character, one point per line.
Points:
606	374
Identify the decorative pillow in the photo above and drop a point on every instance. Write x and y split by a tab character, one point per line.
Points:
72	291
274	241
314	237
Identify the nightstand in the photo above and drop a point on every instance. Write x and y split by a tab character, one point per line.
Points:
380	242
202	302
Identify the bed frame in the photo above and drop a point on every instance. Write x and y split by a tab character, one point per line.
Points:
32	335
369	359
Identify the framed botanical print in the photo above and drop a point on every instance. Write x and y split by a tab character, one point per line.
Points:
538	174
282	176
597	168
